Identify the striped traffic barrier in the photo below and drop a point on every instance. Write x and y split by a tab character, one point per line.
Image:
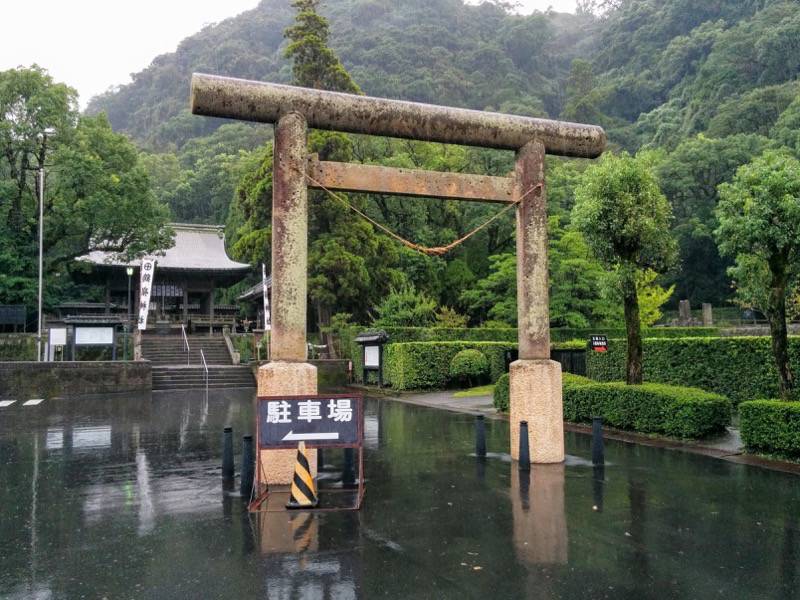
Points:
303	491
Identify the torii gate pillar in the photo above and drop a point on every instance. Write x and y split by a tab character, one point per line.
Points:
288	373
535	380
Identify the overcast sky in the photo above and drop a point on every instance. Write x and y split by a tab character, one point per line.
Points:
95	44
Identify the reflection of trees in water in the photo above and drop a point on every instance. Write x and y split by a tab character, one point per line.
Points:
788	564
637	501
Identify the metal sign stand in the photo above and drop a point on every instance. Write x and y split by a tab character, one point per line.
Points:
268	441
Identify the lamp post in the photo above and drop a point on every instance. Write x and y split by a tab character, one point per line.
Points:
44	134
129	271
41	233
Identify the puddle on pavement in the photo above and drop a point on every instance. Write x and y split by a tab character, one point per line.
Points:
121	497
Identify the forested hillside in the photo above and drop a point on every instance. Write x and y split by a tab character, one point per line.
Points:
704	86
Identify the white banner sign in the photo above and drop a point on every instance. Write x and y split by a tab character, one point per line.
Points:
146	279
267	323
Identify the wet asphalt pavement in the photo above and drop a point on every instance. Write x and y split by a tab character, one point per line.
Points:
121	497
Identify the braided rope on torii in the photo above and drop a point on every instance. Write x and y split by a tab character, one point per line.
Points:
429	251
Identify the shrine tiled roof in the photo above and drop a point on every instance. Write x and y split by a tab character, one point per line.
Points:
195	248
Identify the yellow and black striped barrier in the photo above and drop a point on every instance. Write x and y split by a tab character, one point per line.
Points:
303	492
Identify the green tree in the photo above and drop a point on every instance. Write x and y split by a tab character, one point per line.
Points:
495	296
625	218
406	307
36	113
314	64
97	196
652	296
689	177
759	225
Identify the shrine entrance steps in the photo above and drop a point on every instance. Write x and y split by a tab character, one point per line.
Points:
193	378
167	354
170	350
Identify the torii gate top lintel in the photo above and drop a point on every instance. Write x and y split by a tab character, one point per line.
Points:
535	386
231	98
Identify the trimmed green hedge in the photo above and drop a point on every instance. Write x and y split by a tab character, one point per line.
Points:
649	408
399	335
501	397
740	368
771	426
420	365
577	337
561	334
502	394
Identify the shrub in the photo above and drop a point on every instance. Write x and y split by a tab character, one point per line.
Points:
419	365
740	368
771	426
501	395
406	306
422	334
469	365
570	380
648	408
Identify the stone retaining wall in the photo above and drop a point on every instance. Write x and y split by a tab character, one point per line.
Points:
21	380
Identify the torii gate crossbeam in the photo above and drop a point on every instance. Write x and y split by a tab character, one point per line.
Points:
535	379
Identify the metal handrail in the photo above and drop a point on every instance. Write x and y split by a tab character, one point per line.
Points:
205	367
186	343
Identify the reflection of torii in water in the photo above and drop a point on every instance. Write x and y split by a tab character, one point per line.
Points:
535	379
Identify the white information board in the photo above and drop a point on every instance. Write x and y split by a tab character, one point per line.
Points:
94	336
372	356
58	336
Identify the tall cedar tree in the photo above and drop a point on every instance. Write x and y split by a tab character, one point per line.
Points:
338	251
315	65
626	221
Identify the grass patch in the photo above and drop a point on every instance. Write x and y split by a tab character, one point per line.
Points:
481	390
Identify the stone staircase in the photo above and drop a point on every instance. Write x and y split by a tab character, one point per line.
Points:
167	354
170	350
175	378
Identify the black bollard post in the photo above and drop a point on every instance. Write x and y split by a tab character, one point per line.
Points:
349	472
320	459
598	452
248	467
227	453
524	450
480	436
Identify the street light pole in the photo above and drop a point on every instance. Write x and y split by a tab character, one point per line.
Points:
41	234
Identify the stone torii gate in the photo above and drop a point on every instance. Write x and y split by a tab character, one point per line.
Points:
535	379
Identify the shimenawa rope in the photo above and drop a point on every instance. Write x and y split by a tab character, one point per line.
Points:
435	251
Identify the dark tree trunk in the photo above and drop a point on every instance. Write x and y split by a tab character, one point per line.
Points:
633	363
323	323
776	313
